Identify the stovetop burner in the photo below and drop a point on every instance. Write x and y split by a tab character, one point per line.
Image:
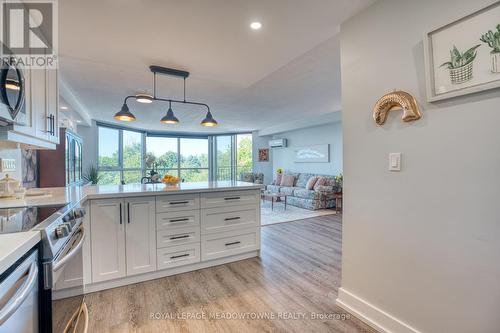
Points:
25	218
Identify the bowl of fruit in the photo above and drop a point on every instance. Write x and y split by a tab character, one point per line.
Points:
170	180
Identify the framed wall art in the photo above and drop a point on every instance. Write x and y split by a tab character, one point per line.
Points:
313	154
463	57
264	155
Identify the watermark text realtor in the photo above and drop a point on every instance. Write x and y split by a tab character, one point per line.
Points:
29	33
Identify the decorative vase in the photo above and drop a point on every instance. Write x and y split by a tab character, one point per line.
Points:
495	62
461	74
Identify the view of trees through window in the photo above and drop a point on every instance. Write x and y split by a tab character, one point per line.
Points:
122	157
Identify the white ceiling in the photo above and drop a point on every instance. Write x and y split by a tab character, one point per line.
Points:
288	70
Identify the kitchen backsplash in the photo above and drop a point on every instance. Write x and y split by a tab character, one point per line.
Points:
26	164
29	167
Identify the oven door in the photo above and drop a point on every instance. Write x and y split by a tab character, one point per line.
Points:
69	312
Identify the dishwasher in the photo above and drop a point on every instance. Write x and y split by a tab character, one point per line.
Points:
19	296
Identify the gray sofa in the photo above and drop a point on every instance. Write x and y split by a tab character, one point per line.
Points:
299	196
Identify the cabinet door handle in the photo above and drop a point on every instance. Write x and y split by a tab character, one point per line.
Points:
232	198
178	220
178	202
232	218
49	130
121	222
53	127
128	212
232	243
179	237
180	256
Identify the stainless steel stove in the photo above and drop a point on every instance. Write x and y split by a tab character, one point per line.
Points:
61	227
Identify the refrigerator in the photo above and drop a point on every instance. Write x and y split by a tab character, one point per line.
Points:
62	166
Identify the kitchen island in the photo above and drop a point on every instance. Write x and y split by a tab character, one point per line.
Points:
140	232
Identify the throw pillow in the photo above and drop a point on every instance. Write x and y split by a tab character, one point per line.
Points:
310	183
287	180
320	182
279	176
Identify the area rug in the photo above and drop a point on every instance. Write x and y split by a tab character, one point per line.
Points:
292	213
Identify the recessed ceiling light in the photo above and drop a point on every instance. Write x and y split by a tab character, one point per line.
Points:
64	107
255	25
79	121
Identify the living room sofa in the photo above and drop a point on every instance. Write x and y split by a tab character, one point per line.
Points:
299	196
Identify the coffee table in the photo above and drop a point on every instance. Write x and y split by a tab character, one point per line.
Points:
273	196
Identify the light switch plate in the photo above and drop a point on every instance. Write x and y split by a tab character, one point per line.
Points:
7	165
395	162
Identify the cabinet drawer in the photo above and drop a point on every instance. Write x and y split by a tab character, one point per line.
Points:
177	236
178	255
230	198
229	243
187	218
175	203
229	218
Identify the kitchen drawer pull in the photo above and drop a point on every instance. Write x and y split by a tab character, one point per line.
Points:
128	212
178	202
179	237
180	256
232	218
121	214
232	243
232	198
178	220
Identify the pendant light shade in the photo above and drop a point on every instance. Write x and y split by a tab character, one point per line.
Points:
144	98
169	118
124	114
209	120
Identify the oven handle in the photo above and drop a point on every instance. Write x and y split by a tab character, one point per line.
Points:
11	307
60	264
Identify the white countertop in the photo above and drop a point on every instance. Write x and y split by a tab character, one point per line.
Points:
14	245
61	195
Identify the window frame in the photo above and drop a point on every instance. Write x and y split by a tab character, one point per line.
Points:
212	151
120	168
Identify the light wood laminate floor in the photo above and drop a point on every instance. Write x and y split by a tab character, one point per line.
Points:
297	275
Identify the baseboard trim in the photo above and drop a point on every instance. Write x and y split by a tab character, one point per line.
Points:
371	315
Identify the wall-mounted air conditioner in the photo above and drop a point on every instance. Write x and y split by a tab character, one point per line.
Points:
277	143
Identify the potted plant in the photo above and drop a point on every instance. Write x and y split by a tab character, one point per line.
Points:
493	40
91	175
339	182
460	64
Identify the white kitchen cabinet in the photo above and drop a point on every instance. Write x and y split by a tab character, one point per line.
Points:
108	239
39	102
41	128
123	240
140	235
165	234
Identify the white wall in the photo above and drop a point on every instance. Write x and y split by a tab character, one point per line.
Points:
421	245
259	142
329	133
89	149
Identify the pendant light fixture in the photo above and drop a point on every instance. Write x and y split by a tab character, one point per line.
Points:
125	115
209	121
169	118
